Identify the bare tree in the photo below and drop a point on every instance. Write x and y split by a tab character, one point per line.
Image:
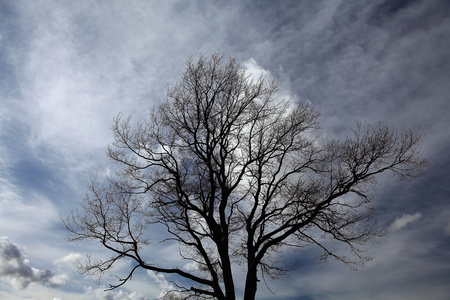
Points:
235	174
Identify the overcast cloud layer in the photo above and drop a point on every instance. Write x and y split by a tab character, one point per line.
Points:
68	67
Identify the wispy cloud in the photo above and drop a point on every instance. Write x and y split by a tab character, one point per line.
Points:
23	210
404	220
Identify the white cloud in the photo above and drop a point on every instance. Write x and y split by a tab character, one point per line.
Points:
69	259
254	70
115	295
15	267
164	285
404	220
191	266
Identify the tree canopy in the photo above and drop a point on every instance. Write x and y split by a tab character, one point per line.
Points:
236	174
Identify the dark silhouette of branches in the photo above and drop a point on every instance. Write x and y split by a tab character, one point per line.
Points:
235	174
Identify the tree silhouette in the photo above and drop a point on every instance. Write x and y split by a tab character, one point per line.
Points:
235	175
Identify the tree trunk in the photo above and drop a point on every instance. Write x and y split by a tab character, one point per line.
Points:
228	278
251	283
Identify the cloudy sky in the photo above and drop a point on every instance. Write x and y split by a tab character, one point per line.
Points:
68	67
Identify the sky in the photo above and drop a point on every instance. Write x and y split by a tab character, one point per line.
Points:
67	68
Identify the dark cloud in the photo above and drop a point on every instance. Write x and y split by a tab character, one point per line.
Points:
388	8
351	67
15	267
